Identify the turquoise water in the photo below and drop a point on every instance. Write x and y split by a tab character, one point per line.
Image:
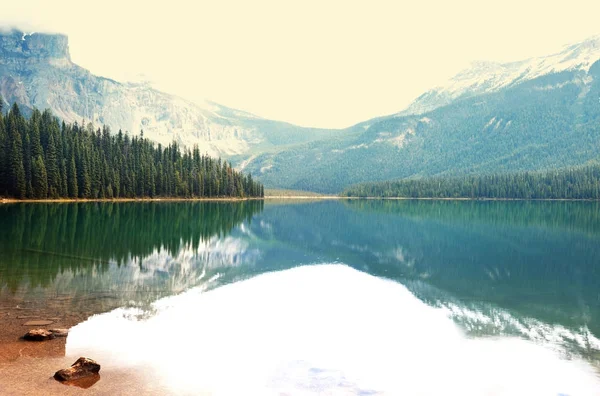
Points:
334	297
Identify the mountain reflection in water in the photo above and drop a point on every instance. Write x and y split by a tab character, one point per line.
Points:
116	253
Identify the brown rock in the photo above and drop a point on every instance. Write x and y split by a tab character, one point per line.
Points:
38	335
60	332
82	368
38	323
85	382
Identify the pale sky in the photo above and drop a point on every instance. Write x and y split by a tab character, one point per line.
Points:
312	63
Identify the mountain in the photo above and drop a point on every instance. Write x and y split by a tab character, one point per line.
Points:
486	77
538	114
36	70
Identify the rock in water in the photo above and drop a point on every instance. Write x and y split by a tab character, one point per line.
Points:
82	368
60	332
38	335
85	382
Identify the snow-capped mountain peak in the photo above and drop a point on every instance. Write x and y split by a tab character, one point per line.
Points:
484	77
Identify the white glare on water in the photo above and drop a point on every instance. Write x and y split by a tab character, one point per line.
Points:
325	329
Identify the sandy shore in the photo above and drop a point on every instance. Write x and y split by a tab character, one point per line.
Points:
69	200
14	314
27	368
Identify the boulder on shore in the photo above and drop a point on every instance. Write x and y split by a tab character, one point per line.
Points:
83	367
38	335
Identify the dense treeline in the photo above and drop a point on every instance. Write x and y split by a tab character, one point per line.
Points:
39	158
574	183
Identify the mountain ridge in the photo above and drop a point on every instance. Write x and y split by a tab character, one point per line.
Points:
485	76
549	121
36	71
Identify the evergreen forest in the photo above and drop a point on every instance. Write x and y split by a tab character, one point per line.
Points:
41	158
570	183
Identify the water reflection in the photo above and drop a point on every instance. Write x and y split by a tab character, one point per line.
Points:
538	259
324	329
116	253
526	269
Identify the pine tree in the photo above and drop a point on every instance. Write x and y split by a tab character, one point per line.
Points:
64	187
27	165
39	178
54	181
16	180
18	186
36	145
85	179
4	168
72	178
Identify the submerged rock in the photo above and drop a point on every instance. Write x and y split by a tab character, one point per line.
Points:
82	368
60	332
38	335
38	323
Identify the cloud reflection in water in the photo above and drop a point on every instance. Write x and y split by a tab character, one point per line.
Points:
324	329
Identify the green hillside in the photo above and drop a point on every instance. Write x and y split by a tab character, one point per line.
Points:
547	123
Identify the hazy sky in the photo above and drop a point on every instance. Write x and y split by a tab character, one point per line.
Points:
314	63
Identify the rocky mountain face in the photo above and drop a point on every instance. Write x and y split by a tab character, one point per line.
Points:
36	71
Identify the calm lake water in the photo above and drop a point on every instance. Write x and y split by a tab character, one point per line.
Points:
329	297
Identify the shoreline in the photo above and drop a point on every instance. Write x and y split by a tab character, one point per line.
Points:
84	200
335	197
472	199
15	313
283	197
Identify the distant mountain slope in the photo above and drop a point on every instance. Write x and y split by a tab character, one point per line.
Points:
487	77
533	122
36	71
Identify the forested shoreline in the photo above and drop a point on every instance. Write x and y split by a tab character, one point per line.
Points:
573	183
43	159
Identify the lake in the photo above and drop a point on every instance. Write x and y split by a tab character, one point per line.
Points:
333	297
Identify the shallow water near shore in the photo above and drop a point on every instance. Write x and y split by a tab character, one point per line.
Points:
333	297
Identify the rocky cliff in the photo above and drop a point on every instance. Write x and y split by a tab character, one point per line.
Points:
36	71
